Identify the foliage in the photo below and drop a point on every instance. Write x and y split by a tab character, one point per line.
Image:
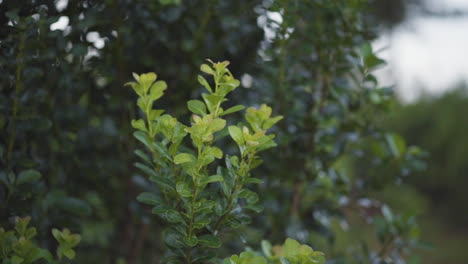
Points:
439	118
63	114
65	140
188	198
17	247
291	252
333	154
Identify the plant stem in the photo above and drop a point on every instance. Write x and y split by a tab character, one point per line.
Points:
192	203
242	172
18	88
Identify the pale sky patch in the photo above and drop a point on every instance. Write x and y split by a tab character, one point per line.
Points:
426	55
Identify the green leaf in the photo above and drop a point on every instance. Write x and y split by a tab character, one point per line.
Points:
197	107
228	87
220	66
149	77
233	109
143	138
191	241
139	124
162	150
171	216
217	124
183	189
211	179
144	104
69	253
250	196
254	181
163	182
266	248
166	125
16	260
173	238
207	69
271	122
205	84
147	170
201	221
266	143
179	132
397	144
236	134
155	113
232	161
212	101
30	233
157	90
28	176
215	152
75	205
149	198
209	241
21	225
254	207
246	257
143	156
154	177
146	79
136	76
204	207
57	234
46	255
184	158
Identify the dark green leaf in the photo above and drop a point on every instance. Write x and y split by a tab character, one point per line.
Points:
211	179
147	170
149	198
143	138
171	216
209	241
255	207
74	205
253	180
191	241
250	196
183	189
173	238
28	176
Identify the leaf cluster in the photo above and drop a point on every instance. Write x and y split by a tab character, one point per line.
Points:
291	252
17	246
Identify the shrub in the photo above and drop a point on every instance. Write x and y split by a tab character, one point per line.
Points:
197	201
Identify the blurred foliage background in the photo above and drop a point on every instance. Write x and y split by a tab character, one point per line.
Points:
353	168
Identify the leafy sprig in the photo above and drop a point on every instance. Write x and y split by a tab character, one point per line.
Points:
291	252
17	246
197	200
